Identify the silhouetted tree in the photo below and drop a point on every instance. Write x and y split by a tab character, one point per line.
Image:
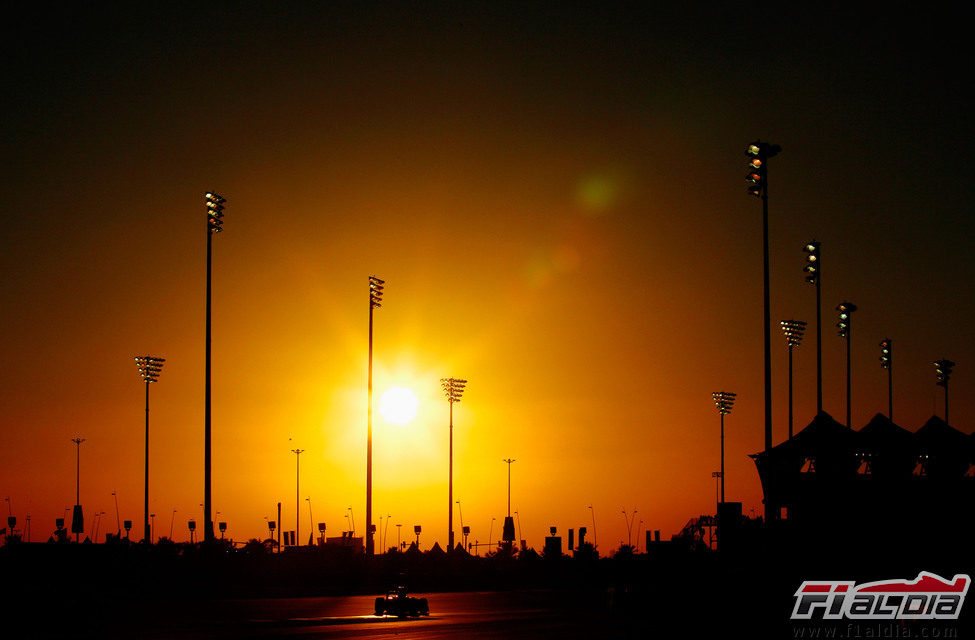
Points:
259	547
586	551
12	539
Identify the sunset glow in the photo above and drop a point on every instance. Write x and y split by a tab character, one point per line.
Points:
555	201
398	405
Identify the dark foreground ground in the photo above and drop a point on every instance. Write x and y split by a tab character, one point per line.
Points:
96	591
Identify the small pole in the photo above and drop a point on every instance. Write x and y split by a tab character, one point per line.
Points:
297	453
508	461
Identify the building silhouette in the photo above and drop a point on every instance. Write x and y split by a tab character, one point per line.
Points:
881	484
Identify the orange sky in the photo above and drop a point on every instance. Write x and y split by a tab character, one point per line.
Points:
557	206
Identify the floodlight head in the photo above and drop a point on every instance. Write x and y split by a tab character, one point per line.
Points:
812	262
453	388
762	150
943	370
149	367
375	292
724	401
843	326
214	204
794	330
885	353
758	154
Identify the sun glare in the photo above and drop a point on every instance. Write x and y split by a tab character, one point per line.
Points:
398	405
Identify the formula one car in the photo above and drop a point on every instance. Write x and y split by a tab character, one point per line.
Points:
397	603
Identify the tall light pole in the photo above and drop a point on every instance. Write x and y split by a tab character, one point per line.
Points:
77	519
845	330
943	370
453	389
758	154
814	273
793	330
375	301
723	400
887	362
149	368
508	461
297	453
214	207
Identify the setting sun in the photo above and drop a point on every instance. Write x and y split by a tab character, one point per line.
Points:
398	405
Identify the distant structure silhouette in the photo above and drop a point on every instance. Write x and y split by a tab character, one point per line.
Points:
887	484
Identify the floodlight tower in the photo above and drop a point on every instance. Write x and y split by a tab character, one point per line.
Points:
887	362
758	154
845	330
813	270
943	369
375	301
214	207
149	368
723	400
453	389
793	330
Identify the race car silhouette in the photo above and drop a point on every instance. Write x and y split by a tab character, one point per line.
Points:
397	603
